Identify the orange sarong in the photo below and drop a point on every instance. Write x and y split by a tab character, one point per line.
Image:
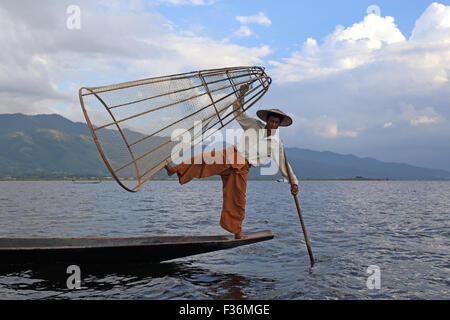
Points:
233	169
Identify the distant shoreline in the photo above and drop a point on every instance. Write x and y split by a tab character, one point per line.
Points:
172	179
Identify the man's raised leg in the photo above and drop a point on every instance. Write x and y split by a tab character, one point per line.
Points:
199	166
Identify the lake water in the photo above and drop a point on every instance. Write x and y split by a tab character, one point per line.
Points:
401	227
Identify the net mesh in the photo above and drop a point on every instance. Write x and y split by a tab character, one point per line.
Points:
135	124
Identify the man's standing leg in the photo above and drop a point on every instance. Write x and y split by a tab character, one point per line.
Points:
233	208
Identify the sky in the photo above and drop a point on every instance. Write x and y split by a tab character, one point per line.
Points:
368	78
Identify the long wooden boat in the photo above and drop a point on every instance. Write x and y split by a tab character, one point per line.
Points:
117	250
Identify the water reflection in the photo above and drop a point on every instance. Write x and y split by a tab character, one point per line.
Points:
142	281
234	287
402	227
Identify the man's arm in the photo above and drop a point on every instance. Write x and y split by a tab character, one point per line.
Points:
242	117
294	185
286	171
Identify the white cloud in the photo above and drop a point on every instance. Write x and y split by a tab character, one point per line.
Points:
415	116
433	24
192	31
188	2
349	133
344	49
42	63
195	53
372	61
383	94
365	78
374	30
423	120
324	127
260	18
244	31
424	58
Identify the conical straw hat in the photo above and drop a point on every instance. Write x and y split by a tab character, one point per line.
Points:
285	122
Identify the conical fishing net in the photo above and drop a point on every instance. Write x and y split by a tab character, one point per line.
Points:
137	125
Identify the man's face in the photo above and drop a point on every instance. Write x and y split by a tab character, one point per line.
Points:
272	123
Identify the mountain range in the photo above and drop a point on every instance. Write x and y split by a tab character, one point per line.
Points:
46	146
51	146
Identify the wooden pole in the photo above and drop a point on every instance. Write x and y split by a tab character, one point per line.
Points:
299	211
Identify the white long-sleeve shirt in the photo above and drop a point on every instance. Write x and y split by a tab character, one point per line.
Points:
257	147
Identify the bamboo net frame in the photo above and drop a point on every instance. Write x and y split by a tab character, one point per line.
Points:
133	124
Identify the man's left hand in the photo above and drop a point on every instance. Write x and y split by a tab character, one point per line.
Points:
294	189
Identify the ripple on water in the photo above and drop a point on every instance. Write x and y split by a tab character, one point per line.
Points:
402	227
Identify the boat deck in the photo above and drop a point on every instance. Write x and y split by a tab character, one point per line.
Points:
118	249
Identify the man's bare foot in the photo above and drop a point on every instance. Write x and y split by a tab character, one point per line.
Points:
240	236
170	170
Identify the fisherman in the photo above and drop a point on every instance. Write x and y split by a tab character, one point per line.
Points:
237	161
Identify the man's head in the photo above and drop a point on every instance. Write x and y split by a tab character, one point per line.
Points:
274	118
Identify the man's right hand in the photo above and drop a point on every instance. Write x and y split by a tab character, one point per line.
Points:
294	189
243	89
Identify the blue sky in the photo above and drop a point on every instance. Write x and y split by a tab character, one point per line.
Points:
292	21
359	83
